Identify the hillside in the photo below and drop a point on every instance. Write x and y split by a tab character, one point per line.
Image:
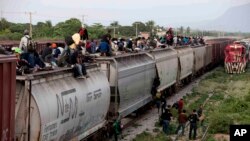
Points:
234	19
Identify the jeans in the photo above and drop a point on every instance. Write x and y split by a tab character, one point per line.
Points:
31	60
81	69
181	126
39	62
193	126
165	126
93	49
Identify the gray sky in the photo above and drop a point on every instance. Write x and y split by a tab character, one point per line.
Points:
164	12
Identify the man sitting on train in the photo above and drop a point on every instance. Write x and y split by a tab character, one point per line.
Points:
104	47
76	60
47	55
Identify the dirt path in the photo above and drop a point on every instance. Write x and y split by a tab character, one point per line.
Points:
147	123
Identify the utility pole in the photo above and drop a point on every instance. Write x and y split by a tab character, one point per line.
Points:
114	29
30	16
83	20
136	29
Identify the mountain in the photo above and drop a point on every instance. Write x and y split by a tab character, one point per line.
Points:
234	19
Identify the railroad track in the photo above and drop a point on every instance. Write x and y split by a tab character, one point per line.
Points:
187	129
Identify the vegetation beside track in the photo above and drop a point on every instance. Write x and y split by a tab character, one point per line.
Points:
227	101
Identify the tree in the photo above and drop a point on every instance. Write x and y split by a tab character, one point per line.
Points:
4	24
141	27
115	23
96	31
127	31
42	29
67	28
113	27
49	24
150	25
18	27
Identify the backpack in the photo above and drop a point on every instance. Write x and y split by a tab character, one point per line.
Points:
31	46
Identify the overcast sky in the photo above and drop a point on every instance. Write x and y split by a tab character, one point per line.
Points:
163	12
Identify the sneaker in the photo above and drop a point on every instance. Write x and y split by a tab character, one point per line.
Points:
87	76
81	77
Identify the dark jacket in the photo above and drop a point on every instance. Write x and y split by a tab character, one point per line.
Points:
193	118
166	116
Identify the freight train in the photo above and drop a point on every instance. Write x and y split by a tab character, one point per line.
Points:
53	105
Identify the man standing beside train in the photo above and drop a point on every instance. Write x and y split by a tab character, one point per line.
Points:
193	118
180	105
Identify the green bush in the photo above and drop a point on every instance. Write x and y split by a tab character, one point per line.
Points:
234	105
240	106
220	123
145	136
172	128
247	97
15	36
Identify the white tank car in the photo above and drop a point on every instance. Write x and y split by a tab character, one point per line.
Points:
62	108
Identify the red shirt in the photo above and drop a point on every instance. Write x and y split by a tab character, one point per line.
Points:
180	104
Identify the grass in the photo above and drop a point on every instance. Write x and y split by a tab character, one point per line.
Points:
145	136
229	104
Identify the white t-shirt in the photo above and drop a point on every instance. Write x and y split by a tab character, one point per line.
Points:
23	43
175	40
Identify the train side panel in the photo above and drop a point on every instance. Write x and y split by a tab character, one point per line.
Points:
199	56
167	66
135	79
208	55
186	62
131	78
